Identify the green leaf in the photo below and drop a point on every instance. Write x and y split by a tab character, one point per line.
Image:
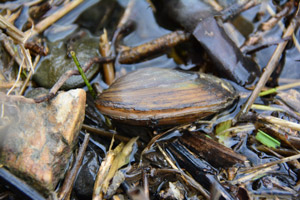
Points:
221	132
267	140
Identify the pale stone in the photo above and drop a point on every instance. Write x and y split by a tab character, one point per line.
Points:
36	140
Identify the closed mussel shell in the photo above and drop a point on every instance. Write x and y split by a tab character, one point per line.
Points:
164	97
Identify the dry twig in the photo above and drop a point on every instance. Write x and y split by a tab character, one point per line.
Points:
268	70
42	25
71	175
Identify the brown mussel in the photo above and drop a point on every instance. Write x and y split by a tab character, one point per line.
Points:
156	96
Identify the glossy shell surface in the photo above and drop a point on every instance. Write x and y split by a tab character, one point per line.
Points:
164	97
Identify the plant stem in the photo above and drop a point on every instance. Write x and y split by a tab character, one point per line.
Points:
82	74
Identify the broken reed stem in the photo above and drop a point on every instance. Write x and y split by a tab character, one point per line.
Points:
266	165
280	122
86	81
264	107
268	70
71	175
42	25
282	87
18	36
102	173
108	68
257	174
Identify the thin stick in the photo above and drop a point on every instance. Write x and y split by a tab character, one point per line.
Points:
71	175
18	78
42	25
123	21
265	165
105	133
252	176
268	70
137	53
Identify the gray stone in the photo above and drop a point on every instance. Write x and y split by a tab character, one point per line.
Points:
54	65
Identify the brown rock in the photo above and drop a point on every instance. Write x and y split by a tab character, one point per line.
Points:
36	140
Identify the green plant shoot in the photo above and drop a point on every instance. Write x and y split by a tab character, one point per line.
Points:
73	54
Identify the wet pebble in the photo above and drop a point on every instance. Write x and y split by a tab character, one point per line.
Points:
36	140
53	66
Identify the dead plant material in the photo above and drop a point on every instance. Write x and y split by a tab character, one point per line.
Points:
205	147
294	163
67	186
114	160
266	26
45	23
157	137
188	179
135	54
103	171
108	68
268	70
106	134
18	36
259	172
24	86
279	122
36	49
270	164
39	10
12	17
235	9
123	23
263	45
281	133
